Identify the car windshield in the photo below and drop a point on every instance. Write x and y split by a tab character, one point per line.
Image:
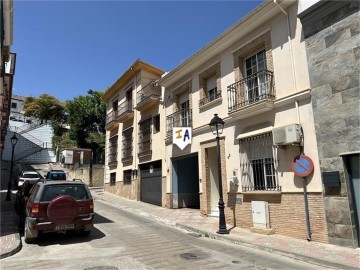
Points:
53	191
30	175
57	176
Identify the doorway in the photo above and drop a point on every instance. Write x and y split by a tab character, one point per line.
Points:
185	182
353	164
214	181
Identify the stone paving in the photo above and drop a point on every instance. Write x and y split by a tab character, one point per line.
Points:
189	219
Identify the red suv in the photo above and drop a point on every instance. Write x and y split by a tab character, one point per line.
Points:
58	206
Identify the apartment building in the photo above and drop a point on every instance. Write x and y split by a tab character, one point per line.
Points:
7	66
135	135
255	77
331	33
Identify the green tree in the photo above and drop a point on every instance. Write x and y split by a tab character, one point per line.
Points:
45	107
86	118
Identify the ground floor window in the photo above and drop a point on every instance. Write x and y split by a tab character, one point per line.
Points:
112	179
257	164
127	177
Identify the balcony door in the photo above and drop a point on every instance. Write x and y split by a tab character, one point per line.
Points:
129	100
256	80
184	109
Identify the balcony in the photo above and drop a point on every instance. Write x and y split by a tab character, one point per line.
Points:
145	144
148	97
251	96
112	158
213	95
125	112
111	120
127	150
181	118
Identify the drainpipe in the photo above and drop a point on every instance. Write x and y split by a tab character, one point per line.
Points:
290	44
306	205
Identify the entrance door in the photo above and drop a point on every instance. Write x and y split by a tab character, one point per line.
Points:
151	187
214	181
353	169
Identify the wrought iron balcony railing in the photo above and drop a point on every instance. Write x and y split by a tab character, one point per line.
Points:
125	110
112	157
148	95
145	143
181	118
212	94
127	150
252	89
111	118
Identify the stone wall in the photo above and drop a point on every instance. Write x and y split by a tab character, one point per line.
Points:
331	31
83	173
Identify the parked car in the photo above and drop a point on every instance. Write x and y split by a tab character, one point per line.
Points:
22	196
58	206
55	175
27	175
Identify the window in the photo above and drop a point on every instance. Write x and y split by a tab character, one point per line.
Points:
127	144
145	137
113	144
257	164
185	114
127	177
115	105
129	99
156	123
112	179
256	76
13	105
211	88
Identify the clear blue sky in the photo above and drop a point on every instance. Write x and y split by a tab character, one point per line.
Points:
65	48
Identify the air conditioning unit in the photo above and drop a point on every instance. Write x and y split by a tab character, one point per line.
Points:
287	135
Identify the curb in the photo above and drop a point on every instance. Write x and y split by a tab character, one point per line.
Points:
300	257
14	249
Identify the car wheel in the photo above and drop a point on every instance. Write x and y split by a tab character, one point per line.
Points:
29	235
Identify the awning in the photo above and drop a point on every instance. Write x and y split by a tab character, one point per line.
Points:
254	132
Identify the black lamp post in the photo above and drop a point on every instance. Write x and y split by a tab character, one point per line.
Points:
13	140
217	126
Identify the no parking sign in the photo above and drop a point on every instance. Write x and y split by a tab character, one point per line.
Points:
302	166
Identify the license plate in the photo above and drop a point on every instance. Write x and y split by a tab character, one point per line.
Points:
64	227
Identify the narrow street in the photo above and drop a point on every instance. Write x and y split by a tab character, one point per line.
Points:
123	240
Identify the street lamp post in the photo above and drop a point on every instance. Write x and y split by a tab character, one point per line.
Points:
217	126
13	140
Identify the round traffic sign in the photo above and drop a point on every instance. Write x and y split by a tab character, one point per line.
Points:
302	165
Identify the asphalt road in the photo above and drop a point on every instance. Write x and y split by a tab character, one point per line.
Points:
123	240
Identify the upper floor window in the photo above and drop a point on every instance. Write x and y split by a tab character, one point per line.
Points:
256	76
211	88
156	123
13	105
115	105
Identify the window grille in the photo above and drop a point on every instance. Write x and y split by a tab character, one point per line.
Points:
257	164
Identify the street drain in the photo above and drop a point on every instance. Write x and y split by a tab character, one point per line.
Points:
192	256
102	267
236	262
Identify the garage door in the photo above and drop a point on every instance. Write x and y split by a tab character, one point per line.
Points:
151	191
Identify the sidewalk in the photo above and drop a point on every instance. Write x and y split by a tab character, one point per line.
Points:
10	241
189	219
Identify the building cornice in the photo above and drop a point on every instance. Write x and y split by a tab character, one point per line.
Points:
129	74
253	20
